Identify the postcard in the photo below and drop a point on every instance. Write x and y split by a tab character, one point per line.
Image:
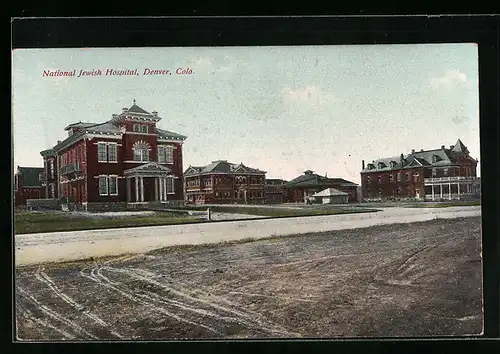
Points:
173	193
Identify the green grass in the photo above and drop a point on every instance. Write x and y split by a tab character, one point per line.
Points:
282	212
30	222
445	204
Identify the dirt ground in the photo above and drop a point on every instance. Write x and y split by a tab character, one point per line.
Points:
418	279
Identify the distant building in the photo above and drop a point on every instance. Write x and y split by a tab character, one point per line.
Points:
332	196
303	187
274	192
28	184
222	182
124	161
438	174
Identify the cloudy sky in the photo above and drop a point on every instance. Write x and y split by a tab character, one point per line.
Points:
280	109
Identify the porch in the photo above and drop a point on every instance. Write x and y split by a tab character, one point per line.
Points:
452	188
149	184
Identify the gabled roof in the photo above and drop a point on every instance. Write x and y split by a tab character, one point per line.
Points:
106	127
136	109
169	135
460	148
151	167
30	176
312	180
329	192
222	166
434	157
79	125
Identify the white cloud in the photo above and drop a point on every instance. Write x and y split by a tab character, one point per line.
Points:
310	94
452	78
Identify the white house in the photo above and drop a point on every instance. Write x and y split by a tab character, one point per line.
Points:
332	196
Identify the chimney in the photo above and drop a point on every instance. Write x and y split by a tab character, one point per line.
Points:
362	164
155	113
442	147
114	115
59	141
412	151
124	110
402	157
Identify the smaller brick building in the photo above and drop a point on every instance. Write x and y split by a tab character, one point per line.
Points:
274	193
28	184
302	188
222	182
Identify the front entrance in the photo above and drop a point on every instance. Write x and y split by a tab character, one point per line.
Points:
150	182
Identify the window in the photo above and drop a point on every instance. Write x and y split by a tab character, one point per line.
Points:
138	128
434	172
416	177
170	185
103	185
445	172
51	168
101	152
52	191
141	154
407	175
390	178
165	154
368	180
113	185
379	180
16	182
112	152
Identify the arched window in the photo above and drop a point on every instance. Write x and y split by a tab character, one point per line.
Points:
141	151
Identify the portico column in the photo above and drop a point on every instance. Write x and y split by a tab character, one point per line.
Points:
165	188
458	190
157	195
160	189
142	189
441	190
432	192
128	188
136	188
449	191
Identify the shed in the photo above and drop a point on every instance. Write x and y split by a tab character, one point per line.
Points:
332	196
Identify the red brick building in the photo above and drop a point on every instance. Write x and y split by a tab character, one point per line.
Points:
28	184
302	188
438	174
222	182
125	161
274	193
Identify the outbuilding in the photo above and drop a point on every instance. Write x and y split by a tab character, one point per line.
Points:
332	196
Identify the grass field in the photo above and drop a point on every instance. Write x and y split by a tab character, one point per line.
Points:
32	222
26	222
282	212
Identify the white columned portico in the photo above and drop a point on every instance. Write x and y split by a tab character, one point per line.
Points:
142	188
136	188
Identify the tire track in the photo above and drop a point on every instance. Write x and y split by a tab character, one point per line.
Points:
29	315
45	279
245	319
106	282
45	309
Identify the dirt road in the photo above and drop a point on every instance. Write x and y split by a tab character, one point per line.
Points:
414	279
62	246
